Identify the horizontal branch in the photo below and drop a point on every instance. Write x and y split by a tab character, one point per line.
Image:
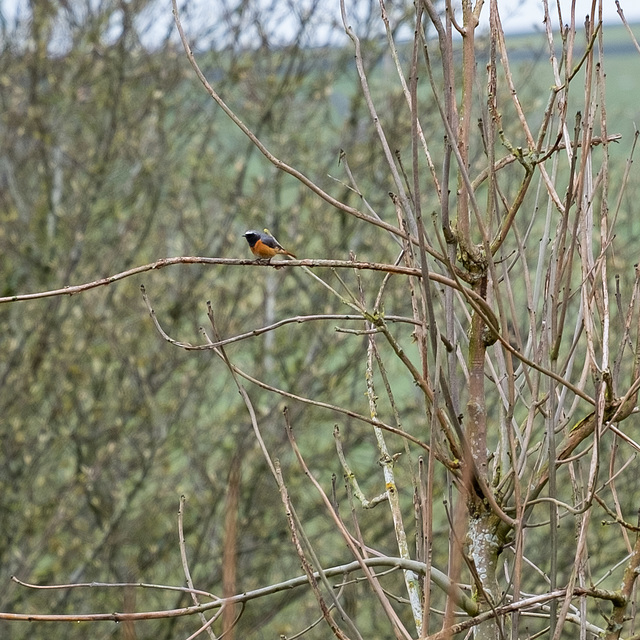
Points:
437	576
525	604
187	346
278	264
472	296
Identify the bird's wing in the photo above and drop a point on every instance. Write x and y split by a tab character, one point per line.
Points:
270	241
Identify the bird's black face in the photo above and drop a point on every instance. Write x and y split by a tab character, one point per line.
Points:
252	237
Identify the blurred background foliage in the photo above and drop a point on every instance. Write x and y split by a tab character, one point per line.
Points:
113	156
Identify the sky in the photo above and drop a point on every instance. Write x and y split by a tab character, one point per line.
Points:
526	15
517	15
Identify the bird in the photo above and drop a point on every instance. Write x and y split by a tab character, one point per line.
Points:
264	245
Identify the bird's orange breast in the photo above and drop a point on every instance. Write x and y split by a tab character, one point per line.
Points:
261	250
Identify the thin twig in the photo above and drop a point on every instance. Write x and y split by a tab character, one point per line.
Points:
399	629
187	573
295	530
283	166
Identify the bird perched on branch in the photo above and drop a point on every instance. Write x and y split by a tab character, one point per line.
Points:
264	245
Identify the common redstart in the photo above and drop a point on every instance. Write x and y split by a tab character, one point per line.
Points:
264	245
